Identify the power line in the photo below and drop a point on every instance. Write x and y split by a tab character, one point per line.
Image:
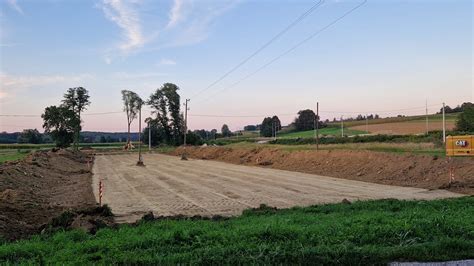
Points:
287	28
289	50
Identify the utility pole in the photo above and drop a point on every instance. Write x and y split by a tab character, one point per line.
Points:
317	125
140	158
183	156
444	124
342	125
367	123
427	117
149	135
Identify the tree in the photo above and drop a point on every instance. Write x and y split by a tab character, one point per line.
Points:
250	128
306	120
213	134
226	131
131	106
76	100
266	129
30	136
61	123
166	104
465	120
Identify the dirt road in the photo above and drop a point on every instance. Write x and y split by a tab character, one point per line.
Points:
169	186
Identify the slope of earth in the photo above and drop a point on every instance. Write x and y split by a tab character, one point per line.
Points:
377	167
39	188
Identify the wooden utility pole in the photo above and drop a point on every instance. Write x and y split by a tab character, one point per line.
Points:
444	124
183	156
427	117
149	136
342	125
140	158
317	125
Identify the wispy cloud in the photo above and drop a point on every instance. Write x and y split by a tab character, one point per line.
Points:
142	22
165	61
9	84
14	5
142	75
127	17
176	13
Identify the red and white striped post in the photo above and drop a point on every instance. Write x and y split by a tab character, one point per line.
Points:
101	190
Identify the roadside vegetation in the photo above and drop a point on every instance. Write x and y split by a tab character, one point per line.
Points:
365	232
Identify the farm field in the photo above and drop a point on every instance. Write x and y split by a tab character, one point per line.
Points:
361	233
169	186
332	131
405	128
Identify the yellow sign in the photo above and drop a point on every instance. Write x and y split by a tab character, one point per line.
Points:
460	146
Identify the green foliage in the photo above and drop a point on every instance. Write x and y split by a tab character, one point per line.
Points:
61	123
361	233
269	126
226	131
433	137
166	104
76	100
132	103
465	120
30	136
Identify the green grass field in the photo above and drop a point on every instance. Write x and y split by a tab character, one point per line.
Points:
333	131
418	118
362	233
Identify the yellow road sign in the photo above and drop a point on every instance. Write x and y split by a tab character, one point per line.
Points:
460	145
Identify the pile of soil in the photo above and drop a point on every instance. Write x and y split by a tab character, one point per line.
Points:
41	187
411	170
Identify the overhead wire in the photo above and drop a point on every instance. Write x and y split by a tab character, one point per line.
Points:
273	39
288	51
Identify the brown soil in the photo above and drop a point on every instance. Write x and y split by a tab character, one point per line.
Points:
409	127
377	167
41	187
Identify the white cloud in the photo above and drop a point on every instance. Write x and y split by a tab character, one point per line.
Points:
127	17
165	61
142	75
14	5
176	13
9	84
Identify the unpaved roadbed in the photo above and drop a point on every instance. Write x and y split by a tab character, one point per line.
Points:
169	186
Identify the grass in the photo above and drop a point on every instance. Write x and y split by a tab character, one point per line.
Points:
12	155
418	118
333	131
369	232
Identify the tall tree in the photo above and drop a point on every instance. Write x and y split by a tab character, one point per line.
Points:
226	131
61	123
76	100
166	104
266	129
131	106
305	120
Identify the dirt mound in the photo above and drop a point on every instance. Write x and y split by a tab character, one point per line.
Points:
42	186
377	167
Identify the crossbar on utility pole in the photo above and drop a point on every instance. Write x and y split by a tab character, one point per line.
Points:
183	156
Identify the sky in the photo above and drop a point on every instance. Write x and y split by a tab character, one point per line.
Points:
386	57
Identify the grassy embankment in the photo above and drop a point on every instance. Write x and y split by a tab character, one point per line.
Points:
370	232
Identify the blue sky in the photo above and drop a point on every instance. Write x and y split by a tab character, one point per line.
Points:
387	55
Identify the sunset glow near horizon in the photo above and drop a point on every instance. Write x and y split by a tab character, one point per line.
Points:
387	57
